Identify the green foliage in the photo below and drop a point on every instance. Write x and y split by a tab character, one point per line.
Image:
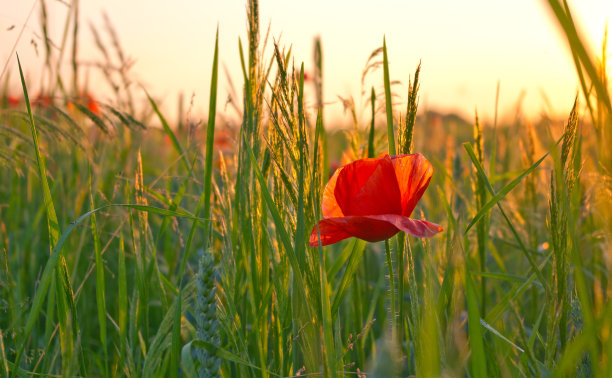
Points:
100	214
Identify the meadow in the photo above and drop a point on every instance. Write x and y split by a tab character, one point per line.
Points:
192	249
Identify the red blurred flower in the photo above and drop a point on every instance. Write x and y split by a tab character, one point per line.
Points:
43	101
92	104
13	101
372	199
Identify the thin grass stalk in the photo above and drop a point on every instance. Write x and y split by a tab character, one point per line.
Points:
388	101
318	80
57	79
100	286
371	152
392	292
134	316
122	299
44	24
75	45
493	156
478	356
3	361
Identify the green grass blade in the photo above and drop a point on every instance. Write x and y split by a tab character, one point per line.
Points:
500	276
498	334
299	241
122	300
40	160
341	259
388	101
3	360
65	296
372	124
577	46
210	130
478	354
356	247
100	291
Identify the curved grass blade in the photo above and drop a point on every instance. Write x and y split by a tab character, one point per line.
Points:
575	41
64	292
340	260
356	248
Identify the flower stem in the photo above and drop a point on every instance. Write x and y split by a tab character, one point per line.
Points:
401	240
391	287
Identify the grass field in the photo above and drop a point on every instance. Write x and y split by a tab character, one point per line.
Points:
183	250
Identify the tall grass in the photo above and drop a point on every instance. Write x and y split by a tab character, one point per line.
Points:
130	250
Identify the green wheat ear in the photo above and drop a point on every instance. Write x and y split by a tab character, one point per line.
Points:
206	316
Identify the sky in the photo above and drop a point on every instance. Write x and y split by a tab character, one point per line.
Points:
465	48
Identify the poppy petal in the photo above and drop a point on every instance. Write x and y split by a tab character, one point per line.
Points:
363	227
414	227
330	205
331	232
368	187
413	173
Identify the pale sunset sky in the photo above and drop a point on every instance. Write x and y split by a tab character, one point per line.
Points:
465	47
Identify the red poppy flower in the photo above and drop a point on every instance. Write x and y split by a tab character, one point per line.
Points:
372	199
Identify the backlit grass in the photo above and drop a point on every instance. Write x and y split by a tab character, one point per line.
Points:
132	250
